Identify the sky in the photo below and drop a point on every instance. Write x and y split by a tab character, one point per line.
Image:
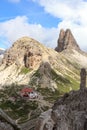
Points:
42	20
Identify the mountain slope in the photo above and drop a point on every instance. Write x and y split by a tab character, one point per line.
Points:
49	72
30	62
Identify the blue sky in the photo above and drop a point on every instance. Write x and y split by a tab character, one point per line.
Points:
42	20
32	10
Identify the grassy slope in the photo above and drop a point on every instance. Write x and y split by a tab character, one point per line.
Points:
24	109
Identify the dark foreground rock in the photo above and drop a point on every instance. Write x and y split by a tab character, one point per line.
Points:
68	113
6	123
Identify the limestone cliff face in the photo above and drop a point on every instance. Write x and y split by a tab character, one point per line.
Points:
30	62
28	54
66	41
25	52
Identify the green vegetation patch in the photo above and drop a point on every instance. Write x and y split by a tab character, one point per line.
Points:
66	87
37	74
59	78
25	70
16	106
66	83
48	94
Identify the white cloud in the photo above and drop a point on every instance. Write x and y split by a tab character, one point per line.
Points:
64	9
72	15
14	1
19	27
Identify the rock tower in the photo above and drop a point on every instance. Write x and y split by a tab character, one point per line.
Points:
66	41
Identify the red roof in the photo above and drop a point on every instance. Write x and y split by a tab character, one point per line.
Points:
26	90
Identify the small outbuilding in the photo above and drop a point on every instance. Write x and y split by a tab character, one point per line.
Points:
29	92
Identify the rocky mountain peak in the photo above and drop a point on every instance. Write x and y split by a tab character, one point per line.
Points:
24	52
66	40
28	60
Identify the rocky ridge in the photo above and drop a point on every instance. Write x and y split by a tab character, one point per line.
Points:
24	51
28	60
49	72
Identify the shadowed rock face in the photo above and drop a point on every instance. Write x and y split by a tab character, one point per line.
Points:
66	41
83	78
69	112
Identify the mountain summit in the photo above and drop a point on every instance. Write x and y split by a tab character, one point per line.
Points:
66	41
28	62
24	52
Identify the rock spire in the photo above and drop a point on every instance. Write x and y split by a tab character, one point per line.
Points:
66	41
